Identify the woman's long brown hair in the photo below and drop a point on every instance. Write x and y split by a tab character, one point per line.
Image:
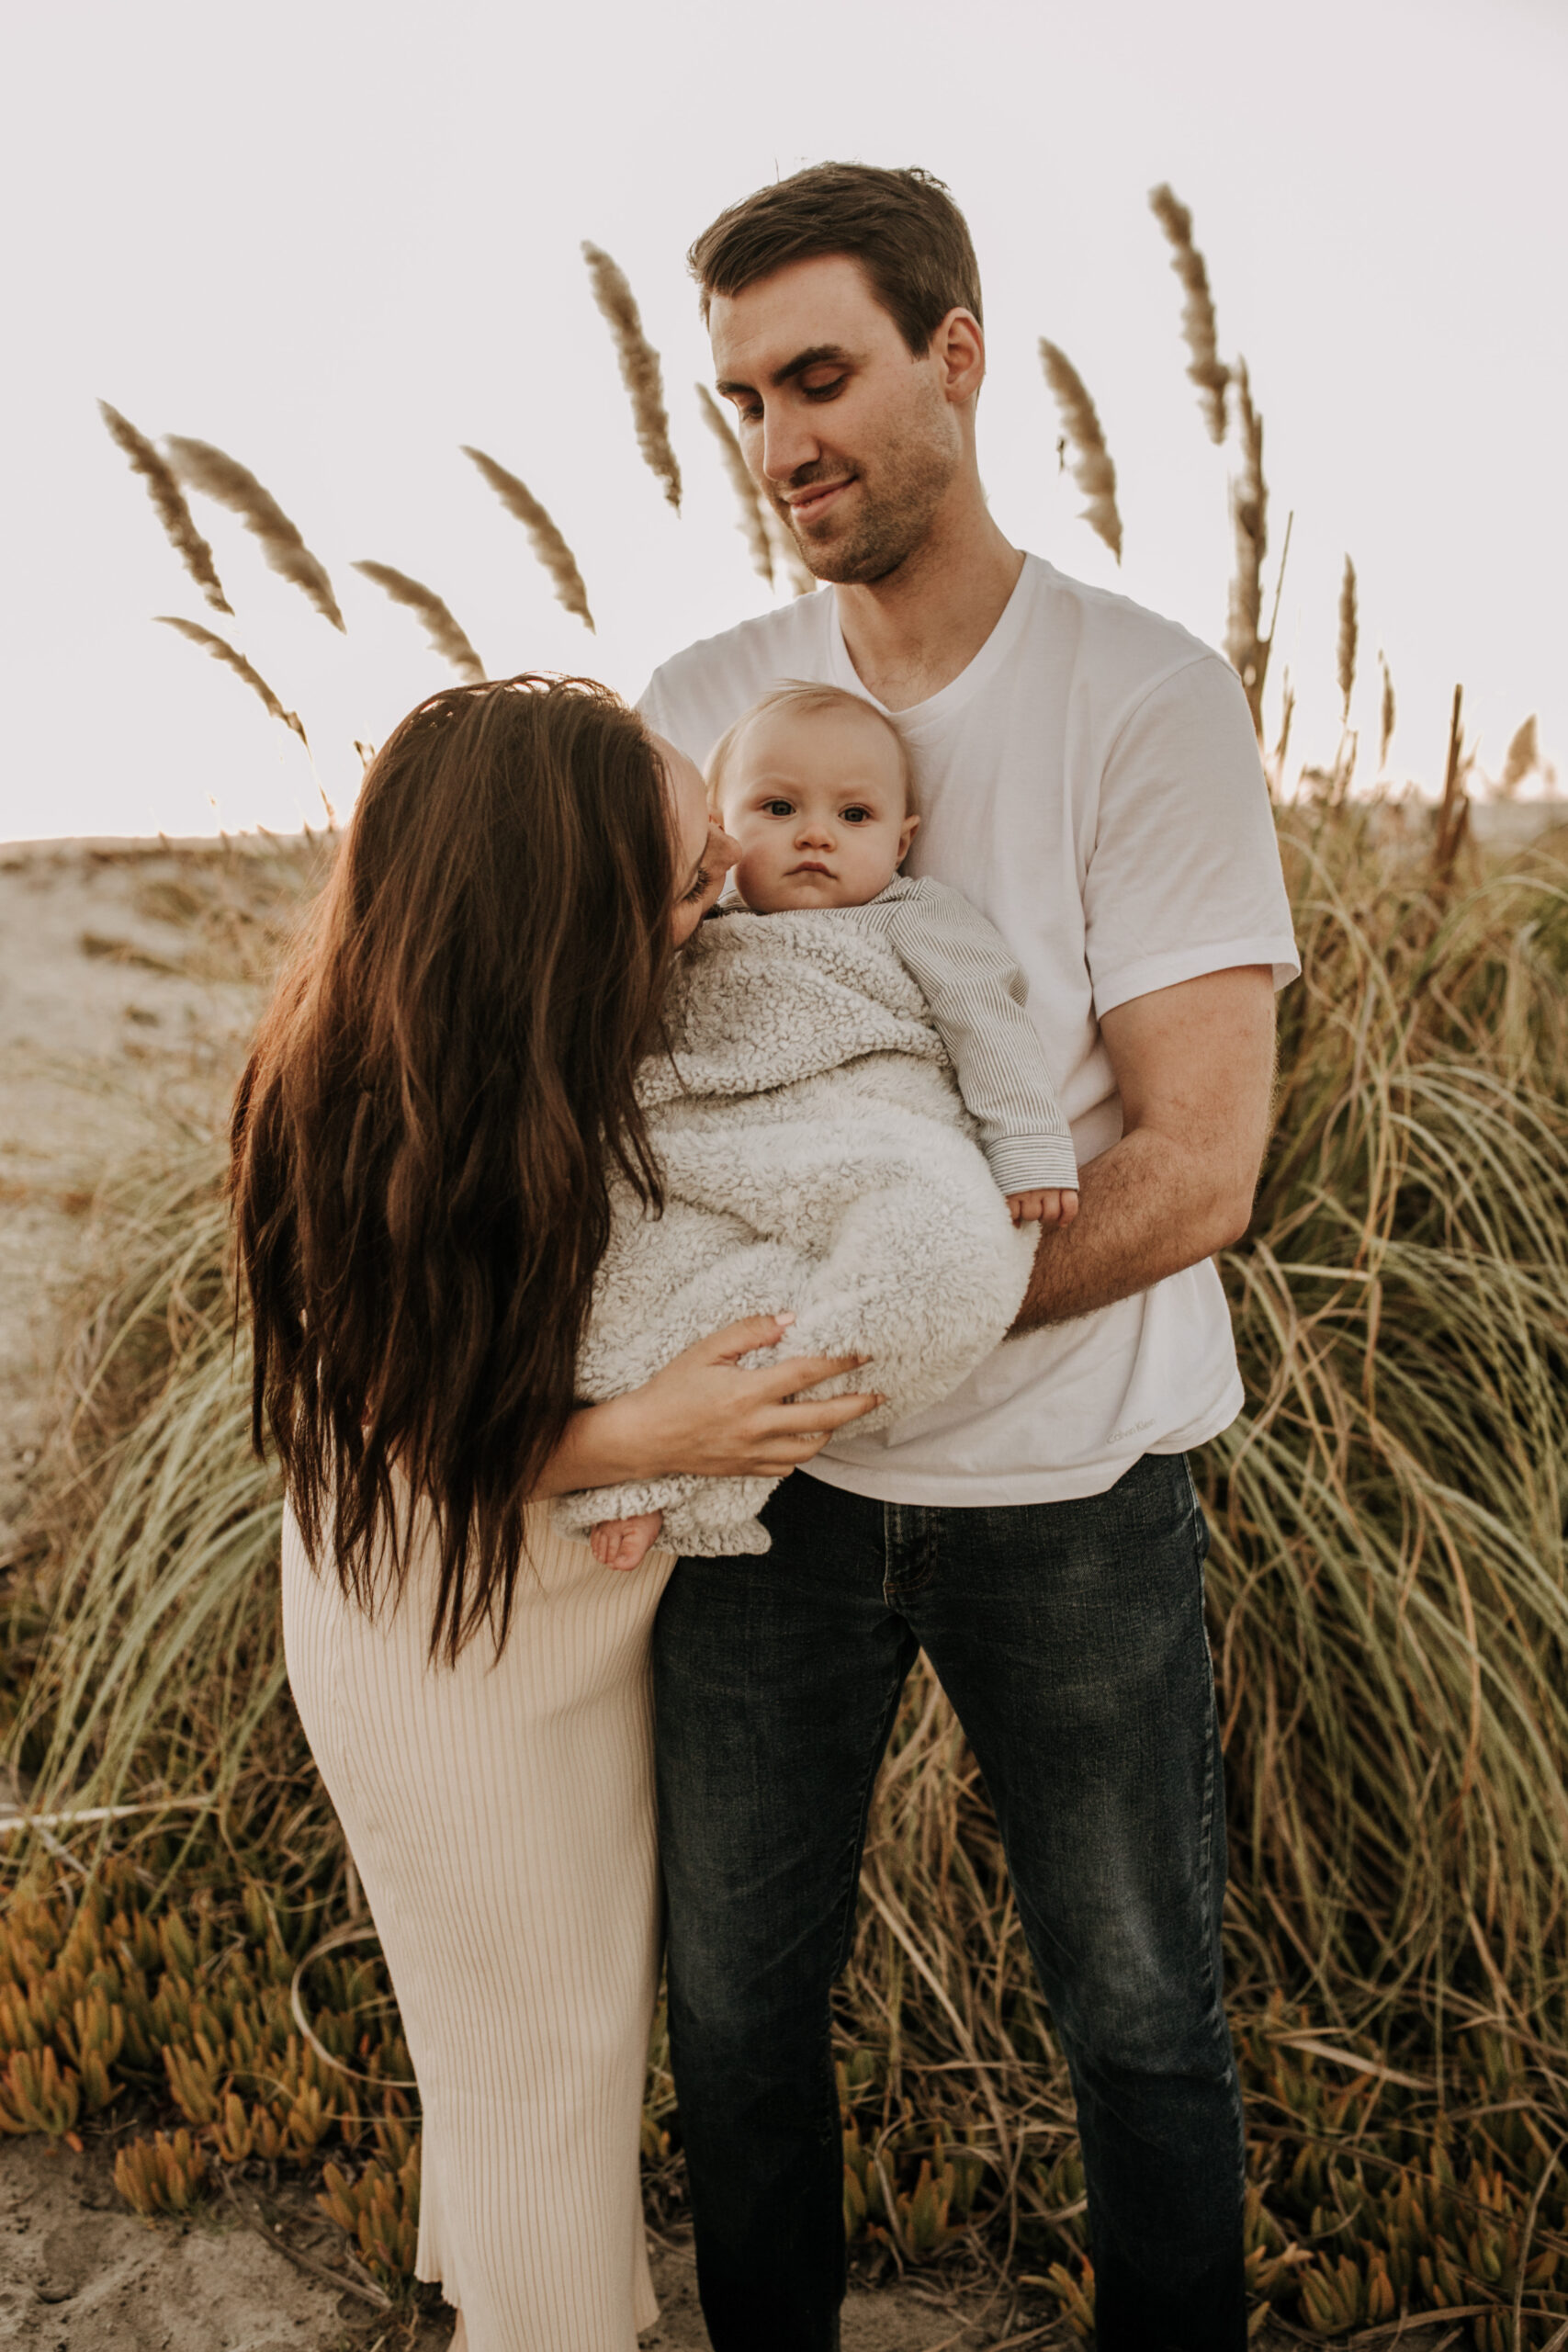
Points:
423	1137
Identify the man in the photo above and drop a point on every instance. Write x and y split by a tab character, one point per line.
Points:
1087	775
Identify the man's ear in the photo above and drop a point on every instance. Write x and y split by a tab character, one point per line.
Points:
906	833
959	343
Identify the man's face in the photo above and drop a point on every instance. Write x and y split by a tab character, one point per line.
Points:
854	440
814	806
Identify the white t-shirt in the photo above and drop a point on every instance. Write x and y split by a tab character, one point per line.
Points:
1091	782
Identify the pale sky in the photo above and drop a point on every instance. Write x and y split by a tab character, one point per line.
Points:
339	241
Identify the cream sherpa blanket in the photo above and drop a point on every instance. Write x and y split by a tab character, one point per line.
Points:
817	1156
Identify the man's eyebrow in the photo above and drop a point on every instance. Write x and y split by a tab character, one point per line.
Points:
817	354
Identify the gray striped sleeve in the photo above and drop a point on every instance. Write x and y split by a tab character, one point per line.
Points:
975	992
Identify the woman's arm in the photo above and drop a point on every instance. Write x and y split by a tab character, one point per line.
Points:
703	1417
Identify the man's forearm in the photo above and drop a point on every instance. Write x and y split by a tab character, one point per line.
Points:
1145	1210
1194	1066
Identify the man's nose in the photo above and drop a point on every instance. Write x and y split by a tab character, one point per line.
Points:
788	443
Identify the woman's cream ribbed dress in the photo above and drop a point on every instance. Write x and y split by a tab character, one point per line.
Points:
500	1817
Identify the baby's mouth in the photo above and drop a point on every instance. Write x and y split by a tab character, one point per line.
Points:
811	867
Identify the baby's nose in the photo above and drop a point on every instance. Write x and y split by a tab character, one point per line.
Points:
815	829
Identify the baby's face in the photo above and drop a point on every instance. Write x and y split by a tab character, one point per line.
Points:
815	802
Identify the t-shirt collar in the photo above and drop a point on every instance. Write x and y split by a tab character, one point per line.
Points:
1011	626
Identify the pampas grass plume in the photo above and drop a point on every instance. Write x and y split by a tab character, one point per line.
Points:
1453	812
1287	713
1206	369
1521	759
753	512
221	651
543	537
639	367
1349	630
1092	468
218	476
169	503
1246	647
447	638
1390	711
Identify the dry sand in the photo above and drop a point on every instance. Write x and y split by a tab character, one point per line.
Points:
78	2273
109	1026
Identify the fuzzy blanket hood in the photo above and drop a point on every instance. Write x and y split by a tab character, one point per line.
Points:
816	1157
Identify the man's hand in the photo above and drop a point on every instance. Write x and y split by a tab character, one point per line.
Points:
1194	1066
1049	1208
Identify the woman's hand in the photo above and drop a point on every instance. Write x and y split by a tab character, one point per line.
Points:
703	1417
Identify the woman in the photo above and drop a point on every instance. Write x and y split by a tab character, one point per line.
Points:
422	1147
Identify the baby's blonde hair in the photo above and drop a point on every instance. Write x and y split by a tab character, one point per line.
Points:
802	695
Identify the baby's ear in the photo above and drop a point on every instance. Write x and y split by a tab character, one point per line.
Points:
906	833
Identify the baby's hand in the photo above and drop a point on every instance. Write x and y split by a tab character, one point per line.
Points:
1053	1208
626	1543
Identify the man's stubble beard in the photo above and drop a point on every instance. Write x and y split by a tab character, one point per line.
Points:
895	519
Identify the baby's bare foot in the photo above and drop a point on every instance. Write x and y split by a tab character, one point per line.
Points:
626	1543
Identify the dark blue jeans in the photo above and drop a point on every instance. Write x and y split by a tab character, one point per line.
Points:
1069	1637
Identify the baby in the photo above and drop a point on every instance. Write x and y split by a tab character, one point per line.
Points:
813	785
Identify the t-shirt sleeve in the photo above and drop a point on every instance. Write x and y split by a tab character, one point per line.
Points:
976	993
675	706
651	704
1184	874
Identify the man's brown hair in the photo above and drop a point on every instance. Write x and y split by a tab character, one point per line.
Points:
901	226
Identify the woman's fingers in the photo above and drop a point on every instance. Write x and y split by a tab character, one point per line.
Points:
702	1416
775	1457
790	1434
778	1379
788	1377
738	1339
831	1413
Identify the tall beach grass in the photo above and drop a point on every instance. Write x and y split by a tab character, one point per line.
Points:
1389	1623
1389	1617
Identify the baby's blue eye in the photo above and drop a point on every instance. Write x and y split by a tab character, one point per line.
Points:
778	807
855	815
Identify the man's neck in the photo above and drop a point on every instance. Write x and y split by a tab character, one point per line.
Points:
911	633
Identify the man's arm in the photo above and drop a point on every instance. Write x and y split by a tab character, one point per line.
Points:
1194	1066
